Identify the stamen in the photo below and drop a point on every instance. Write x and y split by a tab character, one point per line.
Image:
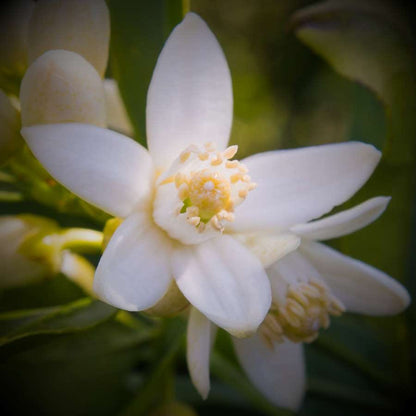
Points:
236	177
307	309
184	156
217	161
203	156
230	152
210	146
243	193
183	191
231	164
211	182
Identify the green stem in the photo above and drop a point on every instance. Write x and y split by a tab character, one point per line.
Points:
81	240
6	196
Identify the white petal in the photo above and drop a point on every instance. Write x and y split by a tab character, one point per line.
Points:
134	271
225	282
190	95
295	186
345	222
199	340
360	287
277	370
292	269
105	168
269	248
74	25
62	87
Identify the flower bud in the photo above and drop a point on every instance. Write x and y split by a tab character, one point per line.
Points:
19	263
10	139
14	21
75	25
62	87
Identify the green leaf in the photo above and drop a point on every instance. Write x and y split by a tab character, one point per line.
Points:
75	316
80	373
158	384
369	43
58	290
138	32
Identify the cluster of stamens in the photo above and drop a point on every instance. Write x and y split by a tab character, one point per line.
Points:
307	308
210	185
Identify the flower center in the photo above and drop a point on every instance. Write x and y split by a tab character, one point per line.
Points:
209	192
209	185
307	309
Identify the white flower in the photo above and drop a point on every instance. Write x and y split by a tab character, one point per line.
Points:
308	285
184	201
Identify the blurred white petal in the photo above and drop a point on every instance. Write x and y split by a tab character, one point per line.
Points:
62	87
277	370
198	349
360	287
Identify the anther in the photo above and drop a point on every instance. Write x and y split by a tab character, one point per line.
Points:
217	161
235	177
230	152
184	156
242	193
203	156
210	146
183	191
231	164
194	221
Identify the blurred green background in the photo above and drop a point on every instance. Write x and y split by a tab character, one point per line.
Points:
335	72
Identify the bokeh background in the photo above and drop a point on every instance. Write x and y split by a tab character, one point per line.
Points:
304	73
